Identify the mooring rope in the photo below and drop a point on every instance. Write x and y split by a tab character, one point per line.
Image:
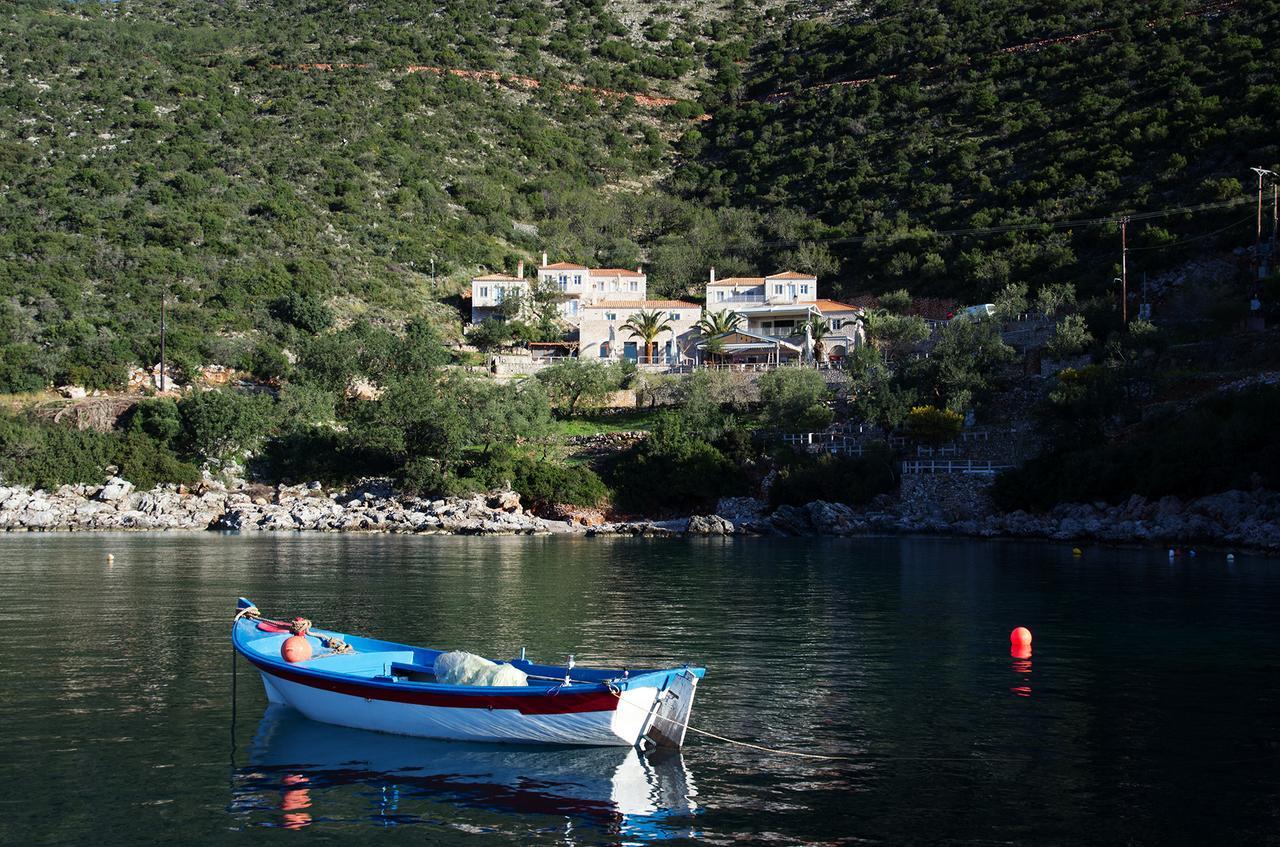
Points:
776	751
685	725
817	756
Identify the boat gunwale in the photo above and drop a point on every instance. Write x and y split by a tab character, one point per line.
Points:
274	665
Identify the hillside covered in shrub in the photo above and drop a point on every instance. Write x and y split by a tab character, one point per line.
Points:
912	120
279	170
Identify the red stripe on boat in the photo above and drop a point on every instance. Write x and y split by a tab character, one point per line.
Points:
566	702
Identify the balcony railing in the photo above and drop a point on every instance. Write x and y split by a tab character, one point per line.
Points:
738	299
761	300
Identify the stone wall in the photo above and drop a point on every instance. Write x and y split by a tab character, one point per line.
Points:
945	496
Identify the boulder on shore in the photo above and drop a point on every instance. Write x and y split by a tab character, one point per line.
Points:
708	525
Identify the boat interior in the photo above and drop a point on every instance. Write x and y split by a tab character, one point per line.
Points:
390	662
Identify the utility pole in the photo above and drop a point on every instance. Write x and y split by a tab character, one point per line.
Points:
1124	270
1257	241
162	304
433	273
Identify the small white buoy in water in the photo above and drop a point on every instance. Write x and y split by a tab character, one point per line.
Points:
110	558
1231	557
1171	553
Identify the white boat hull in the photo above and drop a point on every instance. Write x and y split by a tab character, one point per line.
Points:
622	725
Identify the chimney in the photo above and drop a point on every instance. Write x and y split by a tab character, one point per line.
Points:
639	269
544	258
520	269
713	274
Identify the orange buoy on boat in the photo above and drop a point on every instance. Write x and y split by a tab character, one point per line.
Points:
297	648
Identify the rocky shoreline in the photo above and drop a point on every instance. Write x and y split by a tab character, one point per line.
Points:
1234	519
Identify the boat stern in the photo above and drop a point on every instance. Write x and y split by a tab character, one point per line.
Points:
656	707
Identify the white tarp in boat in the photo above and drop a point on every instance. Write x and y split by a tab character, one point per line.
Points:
462	668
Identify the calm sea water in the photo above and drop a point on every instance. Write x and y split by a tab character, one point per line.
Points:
1148	714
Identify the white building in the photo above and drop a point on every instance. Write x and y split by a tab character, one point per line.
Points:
578	285
488	292
581	286
780	306
603	337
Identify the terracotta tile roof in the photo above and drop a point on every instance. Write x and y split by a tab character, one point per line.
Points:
790	275
613	272
497	278
739	280
562	266
644	304
834	306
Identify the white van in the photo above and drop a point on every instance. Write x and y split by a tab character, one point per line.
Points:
973	313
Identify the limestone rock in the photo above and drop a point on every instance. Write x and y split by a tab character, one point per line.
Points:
115	489
833	518
709	525
791	520
506	501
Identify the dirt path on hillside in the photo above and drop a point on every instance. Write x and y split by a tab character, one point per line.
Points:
648	101
653	101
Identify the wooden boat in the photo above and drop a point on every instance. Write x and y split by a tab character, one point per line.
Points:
365	683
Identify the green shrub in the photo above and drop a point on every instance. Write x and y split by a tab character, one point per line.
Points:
932	424
426	477
158	419
304	310
224	424
304	453
266	361
20	368
46	455
1070	338
853	480
542	483
794	399
575	383
673	471
147	464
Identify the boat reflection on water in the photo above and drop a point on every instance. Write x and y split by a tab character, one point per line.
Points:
302	773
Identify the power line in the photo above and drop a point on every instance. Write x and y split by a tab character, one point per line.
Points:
1201	237
1006	228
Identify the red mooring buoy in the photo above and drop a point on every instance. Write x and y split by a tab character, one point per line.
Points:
1020	643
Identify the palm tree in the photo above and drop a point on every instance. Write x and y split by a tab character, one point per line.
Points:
718	323
818	330
648	326
712	325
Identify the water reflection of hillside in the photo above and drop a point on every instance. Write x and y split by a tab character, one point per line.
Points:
301	773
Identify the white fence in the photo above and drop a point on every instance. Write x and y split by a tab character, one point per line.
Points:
961	466
837	442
